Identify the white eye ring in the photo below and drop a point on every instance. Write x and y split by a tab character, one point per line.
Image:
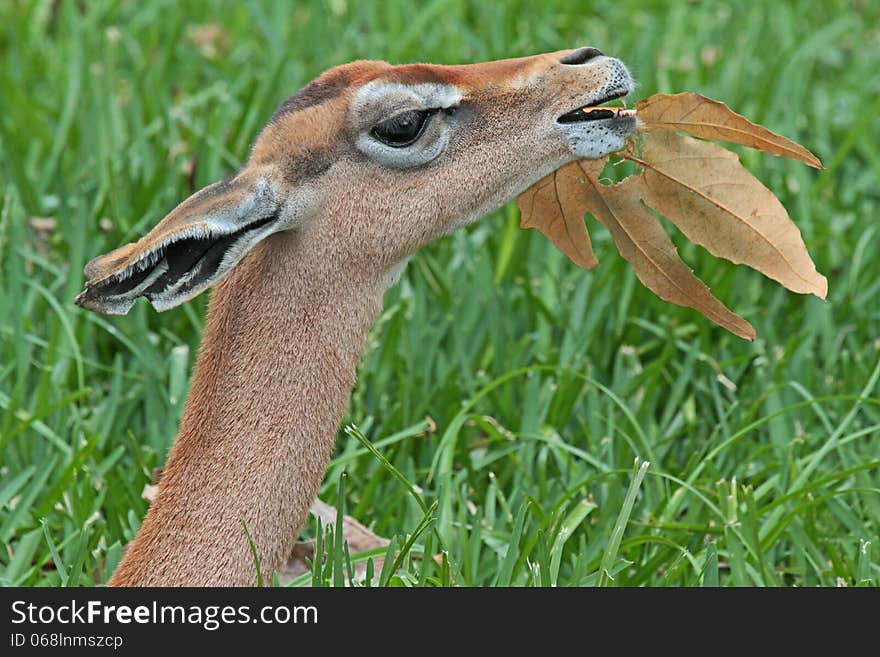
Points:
378	101
428	144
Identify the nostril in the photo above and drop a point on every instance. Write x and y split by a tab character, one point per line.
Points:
581	56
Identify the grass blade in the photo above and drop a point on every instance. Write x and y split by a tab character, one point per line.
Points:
609	557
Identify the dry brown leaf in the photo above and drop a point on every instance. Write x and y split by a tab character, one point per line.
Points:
551	205
711	119
701	188
641	240
359	538
705	191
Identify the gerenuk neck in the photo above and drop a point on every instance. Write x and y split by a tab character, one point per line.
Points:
283	338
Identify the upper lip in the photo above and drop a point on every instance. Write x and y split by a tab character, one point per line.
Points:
580	113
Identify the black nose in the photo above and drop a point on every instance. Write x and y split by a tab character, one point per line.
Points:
581	56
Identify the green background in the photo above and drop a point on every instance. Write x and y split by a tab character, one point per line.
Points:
542	383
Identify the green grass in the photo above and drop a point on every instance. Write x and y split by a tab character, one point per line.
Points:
543	383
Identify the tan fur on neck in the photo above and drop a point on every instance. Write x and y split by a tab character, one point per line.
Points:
259	423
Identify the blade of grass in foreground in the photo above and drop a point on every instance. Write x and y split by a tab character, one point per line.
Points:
610	555
572	521
339	536
253	553
352	430
710	570
425	522
505	573
60	568
864	568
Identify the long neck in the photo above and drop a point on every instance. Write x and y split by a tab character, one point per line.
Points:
284	335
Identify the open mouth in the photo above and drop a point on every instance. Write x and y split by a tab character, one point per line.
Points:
594	113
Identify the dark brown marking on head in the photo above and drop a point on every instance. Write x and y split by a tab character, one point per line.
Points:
307	163
316	92
300	137
487	76
412	74
328	86
215	189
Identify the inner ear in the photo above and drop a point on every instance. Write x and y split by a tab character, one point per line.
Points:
193	247
175	271
192	264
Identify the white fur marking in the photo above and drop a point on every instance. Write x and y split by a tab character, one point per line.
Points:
387	97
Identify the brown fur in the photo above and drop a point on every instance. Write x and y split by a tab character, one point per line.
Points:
287	326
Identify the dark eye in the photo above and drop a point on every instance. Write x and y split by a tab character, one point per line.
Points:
403	129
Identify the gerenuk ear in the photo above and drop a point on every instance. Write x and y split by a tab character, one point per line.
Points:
189	250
